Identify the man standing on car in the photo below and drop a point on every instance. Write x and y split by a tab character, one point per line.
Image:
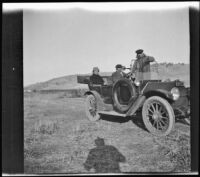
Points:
118	74
142	64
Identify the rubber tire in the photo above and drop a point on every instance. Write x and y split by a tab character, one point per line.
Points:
88	114
119	107
170	111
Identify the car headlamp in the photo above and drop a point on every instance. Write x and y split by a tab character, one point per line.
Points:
175	93
137	83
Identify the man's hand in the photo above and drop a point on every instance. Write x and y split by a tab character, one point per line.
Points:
130	75
151	59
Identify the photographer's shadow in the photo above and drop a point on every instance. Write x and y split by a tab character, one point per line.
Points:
104	158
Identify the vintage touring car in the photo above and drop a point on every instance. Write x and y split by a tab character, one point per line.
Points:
160	102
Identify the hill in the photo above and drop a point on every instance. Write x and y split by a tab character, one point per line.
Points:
166	70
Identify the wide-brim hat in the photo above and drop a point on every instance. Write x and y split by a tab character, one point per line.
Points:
139	51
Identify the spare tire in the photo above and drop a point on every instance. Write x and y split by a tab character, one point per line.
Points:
123	94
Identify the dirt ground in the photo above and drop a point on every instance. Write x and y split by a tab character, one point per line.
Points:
58	138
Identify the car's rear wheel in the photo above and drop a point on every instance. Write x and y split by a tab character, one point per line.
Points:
91	108
158	116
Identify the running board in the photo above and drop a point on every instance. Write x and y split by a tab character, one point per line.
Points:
113	113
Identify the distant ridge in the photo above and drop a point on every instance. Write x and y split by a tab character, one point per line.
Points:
61	83
166	70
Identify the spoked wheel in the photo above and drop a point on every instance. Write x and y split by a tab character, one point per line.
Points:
158	116
91	108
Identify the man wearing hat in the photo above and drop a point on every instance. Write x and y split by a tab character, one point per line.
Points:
118	74
142	63
95	78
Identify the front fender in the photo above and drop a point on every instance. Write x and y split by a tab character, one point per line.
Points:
159	92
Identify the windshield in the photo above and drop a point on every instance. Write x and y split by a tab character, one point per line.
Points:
151	73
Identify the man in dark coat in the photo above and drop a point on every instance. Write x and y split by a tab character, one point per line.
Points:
95	78
118	74
142	64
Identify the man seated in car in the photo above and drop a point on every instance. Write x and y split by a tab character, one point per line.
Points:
95	78
118	74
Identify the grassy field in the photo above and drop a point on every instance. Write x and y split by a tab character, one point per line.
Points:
58	138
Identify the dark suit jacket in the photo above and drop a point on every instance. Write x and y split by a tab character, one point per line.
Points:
117	75
96	79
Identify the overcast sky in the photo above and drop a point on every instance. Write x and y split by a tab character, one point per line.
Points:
59	43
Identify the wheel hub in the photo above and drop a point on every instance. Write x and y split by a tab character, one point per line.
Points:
92	106
156	116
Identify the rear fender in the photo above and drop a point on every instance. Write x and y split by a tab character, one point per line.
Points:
99	100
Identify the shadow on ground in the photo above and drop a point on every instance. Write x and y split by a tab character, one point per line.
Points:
137	120
116	119
104	158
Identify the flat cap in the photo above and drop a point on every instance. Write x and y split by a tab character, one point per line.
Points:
118	66
139	51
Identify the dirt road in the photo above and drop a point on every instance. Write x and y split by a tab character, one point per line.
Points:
58	138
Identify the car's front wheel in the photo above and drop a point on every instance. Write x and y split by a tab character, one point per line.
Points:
91	108
158	116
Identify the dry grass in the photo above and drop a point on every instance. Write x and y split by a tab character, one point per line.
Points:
45	127
176	147
58	138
